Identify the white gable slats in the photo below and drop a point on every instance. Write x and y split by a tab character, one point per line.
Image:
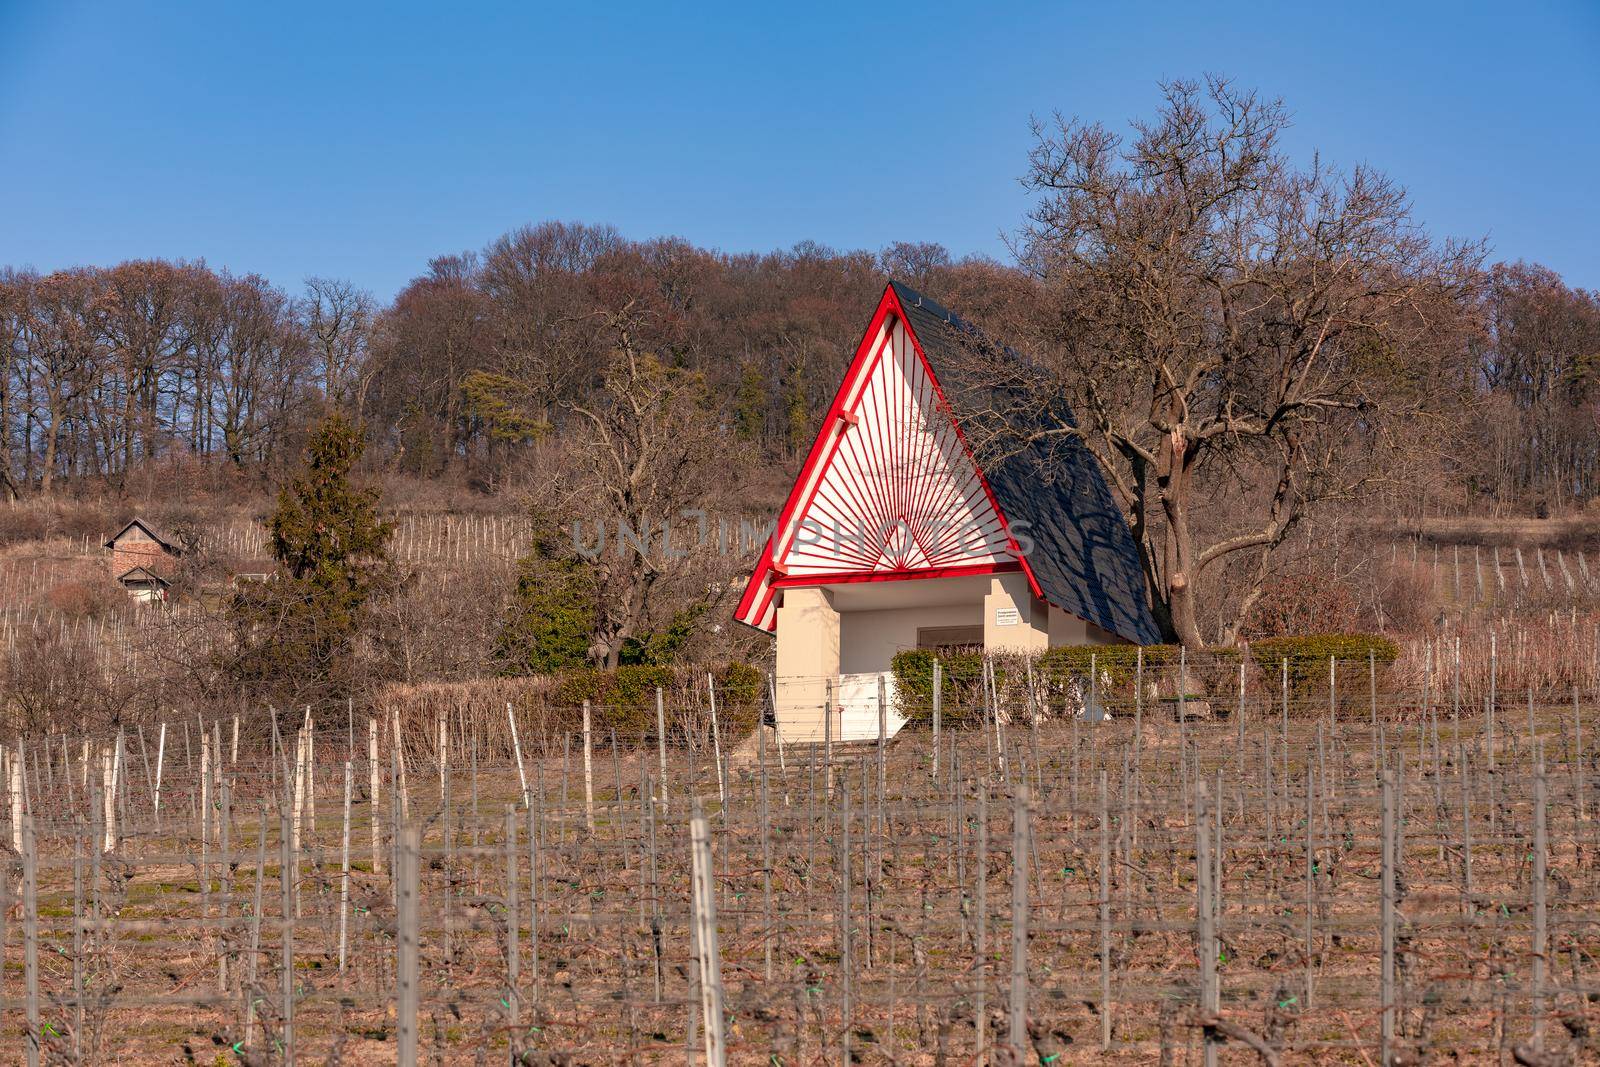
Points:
899	493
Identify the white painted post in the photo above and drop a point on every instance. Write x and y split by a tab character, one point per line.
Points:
716	746
400	759
442	743
372	789
707	950
588	769
516	747
344	868
108	801
16	800
161	753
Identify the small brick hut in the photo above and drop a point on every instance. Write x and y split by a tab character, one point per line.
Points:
142	560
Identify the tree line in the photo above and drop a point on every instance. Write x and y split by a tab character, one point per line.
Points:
101	368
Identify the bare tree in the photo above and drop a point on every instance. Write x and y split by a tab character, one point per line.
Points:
63	342
1221	319
644	458
338	320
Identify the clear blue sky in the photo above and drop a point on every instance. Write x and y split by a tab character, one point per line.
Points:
357	141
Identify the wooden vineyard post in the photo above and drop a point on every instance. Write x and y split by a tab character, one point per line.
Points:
768	935
846	1009
1577	761
286	878
16	800
225	888
716	747
1283	683
827	739
1138	701
1240	715
442	757
1466	827
344	869
661	742
1094	690
297	794
161	755
111	765
1311	877
1494	671
535	810
980	1008
399	799
1541	939
1183	686
408	924
252	961
588	768
373	810
513	919
79	846
1372	702
1018	1035
310	811
1206	921
883	780
1105	918
706	945
205	828
516	750
1388	919
30	938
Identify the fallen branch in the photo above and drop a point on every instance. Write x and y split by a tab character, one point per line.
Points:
1234	1032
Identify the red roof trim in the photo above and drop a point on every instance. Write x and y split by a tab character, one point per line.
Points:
763	585
851	577
758	593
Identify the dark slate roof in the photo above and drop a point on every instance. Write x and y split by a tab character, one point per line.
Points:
1083	556
149	532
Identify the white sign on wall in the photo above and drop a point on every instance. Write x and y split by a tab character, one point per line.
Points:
1006	617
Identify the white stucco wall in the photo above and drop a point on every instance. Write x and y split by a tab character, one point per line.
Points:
1010	597
807	660
868	640
1067	629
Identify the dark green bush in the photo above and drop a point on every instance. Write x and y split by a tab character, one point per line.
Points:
961	684
1119	663
625	699
1307	657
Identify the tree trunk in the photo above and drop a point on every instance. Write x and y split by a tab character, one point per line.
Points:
1178	569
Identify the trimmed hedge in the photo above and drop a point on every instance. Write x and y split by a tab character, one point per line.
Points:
961	684
625	699
1119	663
1212	673
1308	657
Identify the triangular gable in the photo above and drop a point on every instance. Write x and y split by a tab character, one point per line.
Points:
889	489
148	532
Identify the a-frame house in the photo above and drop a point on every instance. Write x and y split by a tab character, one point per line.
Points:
893	537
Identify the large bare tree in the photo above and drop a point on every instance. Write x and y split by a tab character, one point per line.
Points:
1234	332
644	453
